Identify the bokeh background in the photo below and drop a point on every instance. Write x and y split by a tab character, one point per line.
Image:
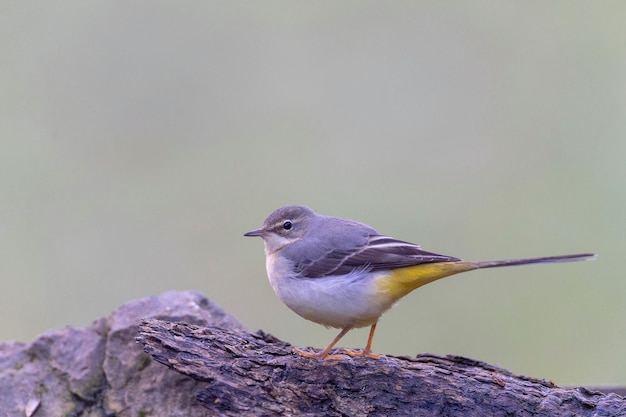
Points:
139	141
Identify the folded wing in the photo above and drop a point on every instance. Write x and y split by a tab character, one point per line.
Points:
378	253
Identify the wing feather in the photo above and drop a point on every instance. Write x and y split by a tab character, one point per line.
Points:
378	253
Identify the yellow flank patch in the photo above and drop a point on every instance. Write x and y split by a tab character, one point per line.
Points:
402	281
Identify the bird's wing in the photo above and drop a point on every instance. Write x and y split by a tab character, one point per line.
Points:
378	253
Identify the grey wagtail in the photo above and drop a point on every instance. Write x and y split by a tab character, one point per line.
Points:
344	274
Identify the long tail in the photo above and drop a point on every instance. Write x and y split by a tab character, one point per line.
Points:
402	281
530	261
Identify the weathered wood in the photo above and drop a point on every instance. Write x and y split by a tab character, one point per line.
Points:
100	371
257	375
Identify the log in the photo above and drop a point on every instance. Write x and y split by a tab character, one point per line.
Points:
255	374
218	368
100	371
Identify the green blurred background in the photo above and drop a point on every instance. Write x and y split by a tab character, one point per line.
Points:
140	140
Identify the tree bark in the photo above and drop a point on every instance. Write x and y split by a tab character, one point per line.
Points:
255	374
100	371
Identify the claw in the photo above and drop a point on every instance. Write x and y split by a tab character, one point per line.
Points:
361	353
318	355
323	354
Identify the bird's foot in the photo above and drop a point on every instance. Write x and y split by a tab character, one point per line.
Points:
361	353
323	354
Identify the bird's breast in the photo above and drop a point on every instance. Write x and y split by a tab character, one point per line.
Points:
352	300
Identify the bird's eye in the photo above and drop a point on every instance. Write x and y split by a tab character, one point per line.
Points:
287	225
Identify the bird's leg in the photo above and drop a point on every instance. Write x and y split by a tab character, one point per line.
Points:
367	352
323	354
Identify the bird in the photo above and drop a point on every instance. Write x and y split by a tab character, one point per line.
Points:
344	274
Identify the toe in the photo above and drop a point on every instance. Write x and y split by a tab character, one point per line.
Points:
361	353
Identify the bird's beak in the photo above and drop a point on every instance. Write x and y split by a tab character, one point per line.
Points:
257	232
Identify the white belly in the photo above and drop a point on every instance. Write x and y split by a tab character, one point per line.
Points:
334	301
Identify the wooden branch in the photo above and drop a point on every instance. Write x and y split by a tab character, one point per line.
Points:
258	375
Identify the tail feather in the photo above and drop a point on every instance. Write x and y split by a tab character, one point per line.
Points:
541	260
402	281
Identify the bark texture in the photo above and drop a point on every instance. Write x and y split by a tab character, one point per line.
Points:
257	375
220	369
100	370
